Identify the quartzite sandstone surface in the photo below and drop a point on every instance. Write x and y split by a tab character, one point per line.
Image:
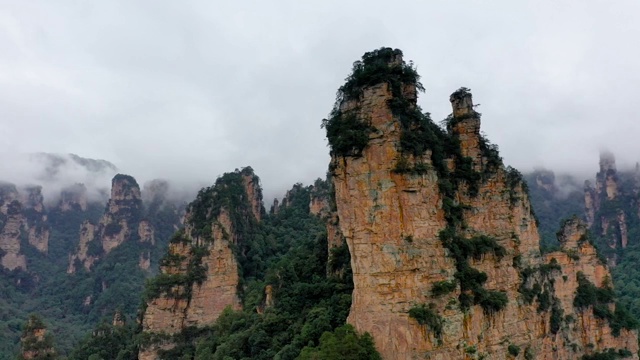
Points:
391	222
200	304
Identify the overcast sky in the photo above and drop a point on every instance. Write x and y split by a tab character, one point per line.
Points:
187	90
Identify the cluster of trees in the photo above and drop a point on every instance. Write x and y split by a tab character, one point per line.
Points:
288	251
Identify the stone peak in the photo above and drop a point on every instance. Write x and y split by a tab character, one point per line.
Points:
124	186
389	55
462	103
572	233
607	161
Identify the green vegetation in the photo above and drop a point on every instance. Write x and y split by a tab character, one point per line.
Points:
42	347
588	295
343	343
470	279
107	342
537	283
514	350
609	354
74	304
419	134
288	251
428	317
348	135
529	353
556	317
444	287
535	280
513	180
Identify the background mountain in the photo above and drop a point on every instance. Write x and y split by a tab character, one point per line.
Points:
609	203
81	254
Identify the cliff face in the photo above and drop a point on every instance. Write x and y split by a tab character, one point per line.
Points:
36	218
322	204
124	209
200	274
611	207
22	217
437	227
254	192
12	220
36	342
121	219
73	197
85	257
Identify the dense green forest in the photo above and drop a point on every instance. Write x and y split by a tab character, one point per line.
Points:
287	250
73	304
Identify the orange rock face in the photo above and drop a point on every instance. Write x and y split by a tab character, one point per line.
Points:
202	303
254	193
120	220
391	222
320	205
87	234
10	237
21	215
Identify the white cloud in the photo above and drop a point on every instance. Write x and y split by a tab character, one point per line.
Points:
188	90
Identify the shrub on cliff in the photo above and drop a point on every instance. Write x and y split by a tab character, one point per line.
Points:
427	316
347	134
588	295
376	67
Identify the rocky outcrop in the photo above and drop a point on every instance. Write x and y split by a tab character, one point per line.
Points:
605	189
11	224
36	218
121	219
124	209
146	232
83	254
322	204
36	343
73	197
609	204
414	216
590	201
10	235
200	274
118	319
22	217
546	180
254	191
275	207
606	180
